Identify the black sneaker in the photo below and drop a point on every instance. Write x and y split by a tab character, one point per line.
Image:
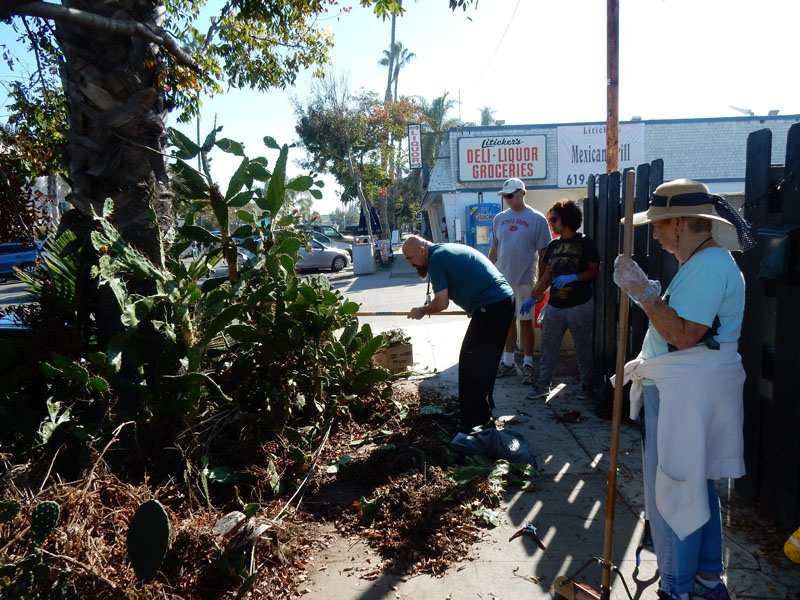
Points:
527	374
506	370
718	592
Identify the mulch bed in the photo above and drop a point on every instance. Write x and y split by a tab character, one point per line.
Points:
395	491
422	522
89	545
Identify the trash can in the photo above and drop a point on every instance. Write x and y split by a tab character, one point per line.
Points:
363	259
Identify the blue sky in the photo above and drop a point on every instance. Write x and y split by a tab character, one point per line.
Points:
537	61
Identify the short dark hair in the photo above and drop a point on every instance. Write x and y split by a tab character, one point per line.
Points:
568	213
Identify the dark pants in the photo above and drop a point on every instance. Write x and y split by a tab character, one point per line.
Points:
477	363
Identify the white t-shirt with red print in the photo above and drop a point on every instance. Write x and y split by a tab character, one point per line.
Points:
519	235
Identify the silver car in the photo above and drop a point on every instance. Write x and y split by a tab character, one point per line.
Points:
318	256
319	234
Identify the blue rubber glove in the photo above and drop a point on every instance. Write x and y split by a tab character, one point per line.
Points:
527	306
563	280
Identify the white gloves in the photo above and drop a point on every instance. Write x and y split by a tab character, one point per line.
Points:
632	280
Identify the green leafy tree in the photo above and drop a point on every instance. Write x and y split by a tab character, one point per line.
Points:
345	215
335	125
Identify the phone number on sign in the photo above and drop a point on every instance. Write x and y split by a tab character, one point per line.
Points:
579	178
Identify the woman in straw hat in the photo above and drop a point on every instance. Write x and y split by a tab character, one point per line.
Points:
689	378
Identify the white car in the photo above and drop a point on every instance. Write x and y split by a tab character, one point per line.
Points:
322	257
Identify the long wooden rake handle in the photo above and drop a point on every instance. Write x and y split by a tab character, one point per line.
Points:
616	419
401	313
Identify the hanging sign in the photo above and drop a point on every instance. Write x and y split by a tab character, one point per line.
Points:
500	157
582	151
414	146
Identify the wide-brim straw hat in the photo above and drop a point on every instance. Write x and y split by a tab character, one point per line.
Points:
680	198
688	198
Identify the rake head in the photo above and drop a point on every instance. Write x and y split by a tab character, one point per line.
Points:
574	590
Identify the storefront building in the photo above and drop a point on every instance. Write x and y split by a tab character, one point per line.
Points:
555	161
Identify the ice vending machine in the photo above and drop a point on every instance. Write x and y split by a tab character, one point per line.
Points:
479	225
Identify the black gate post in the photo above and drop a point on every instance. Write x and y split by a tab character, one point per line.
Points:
781	451
756	186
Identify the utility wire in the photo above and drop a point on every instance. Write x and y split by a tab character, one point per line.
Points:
500	41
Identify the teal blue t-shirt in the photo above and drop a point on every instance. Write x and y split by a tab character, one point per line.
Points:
710	284
471	280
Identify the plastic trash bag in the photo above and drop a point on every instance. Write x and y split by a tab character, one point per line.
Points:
494	443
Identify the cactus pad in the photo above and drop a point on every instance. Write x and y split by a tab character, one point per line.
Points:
44	519
148	539
8	510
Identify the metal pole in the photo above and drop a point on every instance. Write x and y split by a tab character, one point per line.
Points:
616	418
364	204
612	86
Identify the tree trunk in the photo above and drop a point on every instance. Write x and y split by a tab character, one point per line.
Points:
388	96
383	214
116	112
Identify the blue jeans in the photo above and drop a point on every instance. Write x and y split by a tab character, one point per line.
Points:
678	560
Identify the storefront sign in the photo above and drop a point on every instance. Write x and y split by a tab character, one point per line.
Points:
582	151
414	146
500	157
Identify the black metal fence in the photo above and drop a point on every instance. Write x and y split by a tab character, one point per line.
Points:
603	210
770	341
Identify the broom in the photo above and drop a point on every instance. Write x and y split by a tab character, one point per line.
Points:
563	587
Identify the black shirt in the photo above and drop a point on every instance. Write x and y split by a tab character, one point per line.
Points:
571	256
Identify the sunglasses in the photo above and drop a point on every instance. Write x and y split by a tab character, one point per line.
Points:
508	196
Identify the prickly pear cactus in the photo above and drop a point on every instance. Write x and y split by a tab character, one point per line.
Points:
149	536
44	519
8	510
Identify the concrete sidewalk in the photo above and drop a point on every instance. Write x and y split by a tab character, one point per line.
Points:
567	504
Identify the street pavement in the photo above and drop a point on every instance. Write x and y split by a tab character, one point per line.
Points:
567	504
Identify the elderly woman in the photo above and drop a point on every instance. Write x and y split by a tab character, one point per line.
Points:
690	378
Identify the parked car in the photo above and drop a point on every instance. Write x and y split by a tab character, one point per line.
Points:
330	231
341	242
322	257
23	255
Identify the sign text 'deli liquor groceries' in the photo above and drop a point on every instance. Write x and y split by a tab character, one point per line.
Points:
499	157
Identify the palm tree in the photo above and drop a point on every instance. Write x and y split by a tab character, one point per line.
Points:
398	56
487	116
435	113
390	59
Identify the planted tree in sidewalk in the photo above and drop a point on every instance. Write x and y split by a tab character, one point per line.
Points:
334	124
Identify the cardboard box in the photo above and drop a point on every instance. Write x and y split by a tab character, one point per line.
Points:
395	358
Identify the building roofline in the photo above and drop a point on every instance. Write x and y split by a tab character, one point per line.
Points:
552	186
757	118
